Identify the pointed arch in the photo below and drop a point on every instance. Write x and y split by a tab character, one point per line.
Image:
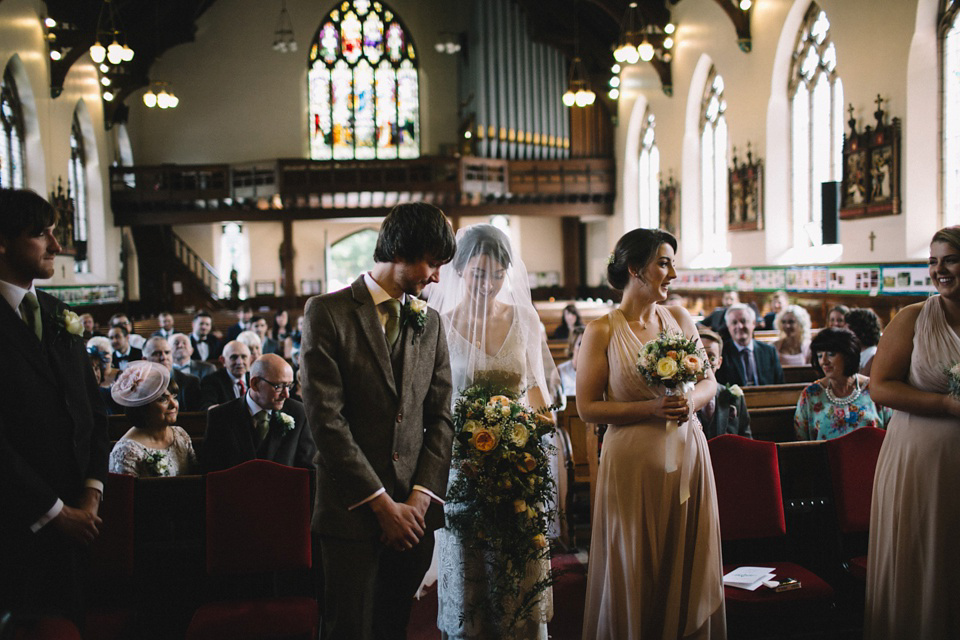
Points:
363	85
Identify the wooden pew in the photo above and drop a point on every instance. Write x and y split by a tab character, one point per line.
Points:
804	373
585	448
772	395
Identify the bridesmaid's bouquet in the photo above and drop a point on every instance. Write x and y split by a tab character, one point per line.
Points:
672	360
501	495
953	377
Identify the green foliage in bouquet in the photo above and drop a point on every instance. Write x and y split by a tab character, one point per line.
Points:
501	495
671	359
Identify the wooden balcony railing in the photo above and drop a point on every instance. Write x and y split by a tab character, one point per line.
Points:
309	189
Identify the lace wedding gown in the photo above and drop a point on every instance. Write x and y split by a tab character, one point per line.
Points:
461	571
914	558
654	569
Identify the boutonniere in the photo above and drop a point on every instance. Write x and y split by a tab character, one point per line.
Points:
735	390
285	421
415	314
72	323
158	462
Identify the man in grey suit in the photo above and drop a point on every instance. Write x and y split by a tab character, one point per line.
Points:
376	387
746	361
182	351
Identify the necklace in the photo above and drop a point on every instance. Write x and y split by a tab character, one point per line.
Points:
840	402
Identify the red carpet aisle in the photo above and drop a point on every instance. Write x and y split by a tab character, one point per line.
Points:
568	596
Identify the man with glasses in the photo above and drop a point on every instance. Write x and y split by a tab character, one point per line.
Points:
264	423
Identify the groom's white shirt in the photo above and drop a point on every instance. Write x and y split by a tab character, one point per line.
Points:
379	296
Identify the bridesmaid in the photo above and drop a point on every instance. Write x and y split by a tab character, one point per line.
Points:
654	568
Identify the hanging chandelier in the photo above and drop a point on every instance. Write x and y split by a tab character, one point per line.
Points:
283	35
642	42
160	95
108	26
578	91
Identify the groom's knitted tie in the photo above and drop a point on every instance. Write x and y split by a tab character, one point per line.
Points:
30	312
392	328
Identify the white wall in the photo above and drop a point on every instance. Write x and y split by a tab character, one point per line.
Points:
47	139
884	47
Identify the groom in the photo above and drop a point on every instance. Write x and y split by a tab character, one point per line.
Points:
376	387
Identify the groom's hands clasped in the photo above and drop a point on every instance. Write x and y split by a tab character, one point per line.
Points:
402	522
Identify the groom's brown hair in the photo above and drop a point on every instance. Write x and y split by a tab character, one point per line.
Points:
414	231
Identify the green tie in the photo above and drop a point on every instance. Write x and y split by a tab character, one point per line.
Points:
392	328
30	312
261	423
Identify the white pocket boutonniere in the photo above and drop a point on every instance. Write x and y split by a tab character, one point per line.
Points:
285	420
158	463
416	316
735	390
72	322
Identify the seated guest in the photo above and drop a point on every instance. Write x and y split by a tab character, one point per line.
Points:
793	345
569	320
182	352
258	324
158	350
291	346
244	313
252	340
836	317
166	329
121	320
866	326
231	381
123	352
714	319
153	446
727	412
100	361
103	347
746	361
840	401
281	326
778	301
264	423
565	382
89	326
206	347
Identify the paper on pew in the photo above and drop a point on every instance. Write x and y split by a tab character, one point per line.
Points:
749	578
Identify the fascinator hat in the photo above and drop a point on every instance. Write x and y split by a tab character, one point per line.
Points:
141	383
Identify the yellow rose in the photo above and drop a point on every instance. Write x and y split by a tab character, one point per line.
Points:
692	364
527	464
484	440
666	367
519	506
499	401
540	541
72	322
531	513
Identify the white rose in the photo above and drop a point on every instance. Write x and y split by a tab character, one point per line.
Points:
735	390
519	435
72	322
417	305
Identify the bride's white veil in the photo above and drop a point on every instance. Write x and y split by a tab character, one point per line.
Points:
474	316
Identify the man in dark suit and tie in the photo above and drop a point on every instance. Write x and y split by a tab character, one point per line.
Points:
53	429
265	423
206	347
727	412
182	350
244	313
747	362
231	381
123	352
166	329
158	350
377	392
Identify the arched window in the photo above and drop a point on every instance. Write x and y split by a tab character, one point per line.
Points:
713	165
816	127
11	144
950	38
648	182
363	86
234	256
77	189
350	256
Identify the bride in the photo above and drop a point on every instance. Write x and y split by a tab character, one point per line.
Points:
492	331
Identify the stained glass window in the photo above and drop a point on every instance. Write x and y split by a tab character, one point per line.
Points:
363	85
713	165
816	125
11	127
77	189
950	112
649	178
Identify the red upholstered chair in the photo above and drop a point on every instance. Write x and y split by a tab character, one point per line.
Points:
112	601
853	462
45	629
751	509
258	522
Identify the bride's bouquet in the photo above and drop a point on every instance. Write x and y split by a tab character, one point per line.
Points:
501	492
672	360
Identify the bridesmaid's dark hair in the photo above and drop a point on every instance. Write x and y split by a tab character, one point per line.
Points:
635	249
950	235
